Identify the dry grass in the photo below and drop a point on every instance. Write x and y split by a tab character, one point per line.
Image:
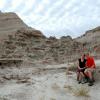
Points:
81	91
42	98
52	99
3	98
72	67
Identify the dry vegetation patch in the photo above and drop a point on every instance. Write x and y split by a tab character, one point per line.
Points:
72	67
81	91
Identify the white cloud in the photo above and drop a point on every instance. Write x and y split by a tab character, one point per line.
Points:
39	8
28	4
15	3
2	3
50	15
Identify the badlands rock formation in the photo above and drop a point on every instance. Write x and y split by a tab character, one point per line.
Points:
22	42
91	39
9	24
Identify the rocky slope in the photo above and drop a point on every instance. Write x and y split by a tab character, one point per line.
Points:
33	46
9	24
92	35
91	40
23	42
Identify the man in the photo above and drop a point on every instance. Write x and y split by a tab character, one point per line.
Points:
90	64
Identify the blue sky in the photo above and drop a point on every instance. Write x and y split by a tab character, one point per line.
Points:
56	17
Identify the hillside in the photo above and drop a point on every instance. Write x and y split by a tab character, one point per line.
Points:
24	42
19	41
9	24
91	39
90	36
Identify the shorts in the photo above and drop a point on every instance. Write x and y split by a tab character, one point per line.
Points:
90	70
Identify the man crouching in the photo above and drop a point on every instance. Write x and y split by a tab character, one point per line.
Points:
90	68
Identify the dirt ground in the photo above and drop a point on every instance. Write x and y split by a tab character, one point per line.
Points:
52	83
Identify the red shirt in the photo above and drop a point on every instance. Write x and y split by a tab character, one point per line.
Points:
90	62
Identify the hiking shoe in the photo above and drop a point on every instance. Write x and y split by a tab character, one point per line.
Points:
90	84
93	80
79	82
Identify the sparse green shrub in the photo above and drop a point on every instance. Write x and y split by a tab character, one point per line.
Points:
72	67
3	98
52	99
81	91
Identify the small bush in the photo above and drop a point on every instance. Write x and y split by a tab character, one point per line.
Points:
52	99
82	91
3	98
72	67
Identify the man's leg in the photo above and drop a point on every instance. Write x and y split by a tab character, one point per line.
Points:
90	71
87	75
90	75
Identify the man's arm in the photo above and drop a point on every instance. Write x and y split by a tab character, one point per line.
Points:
93	63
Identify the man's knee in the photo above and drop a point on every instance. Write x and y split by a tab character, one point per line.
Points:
86	71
